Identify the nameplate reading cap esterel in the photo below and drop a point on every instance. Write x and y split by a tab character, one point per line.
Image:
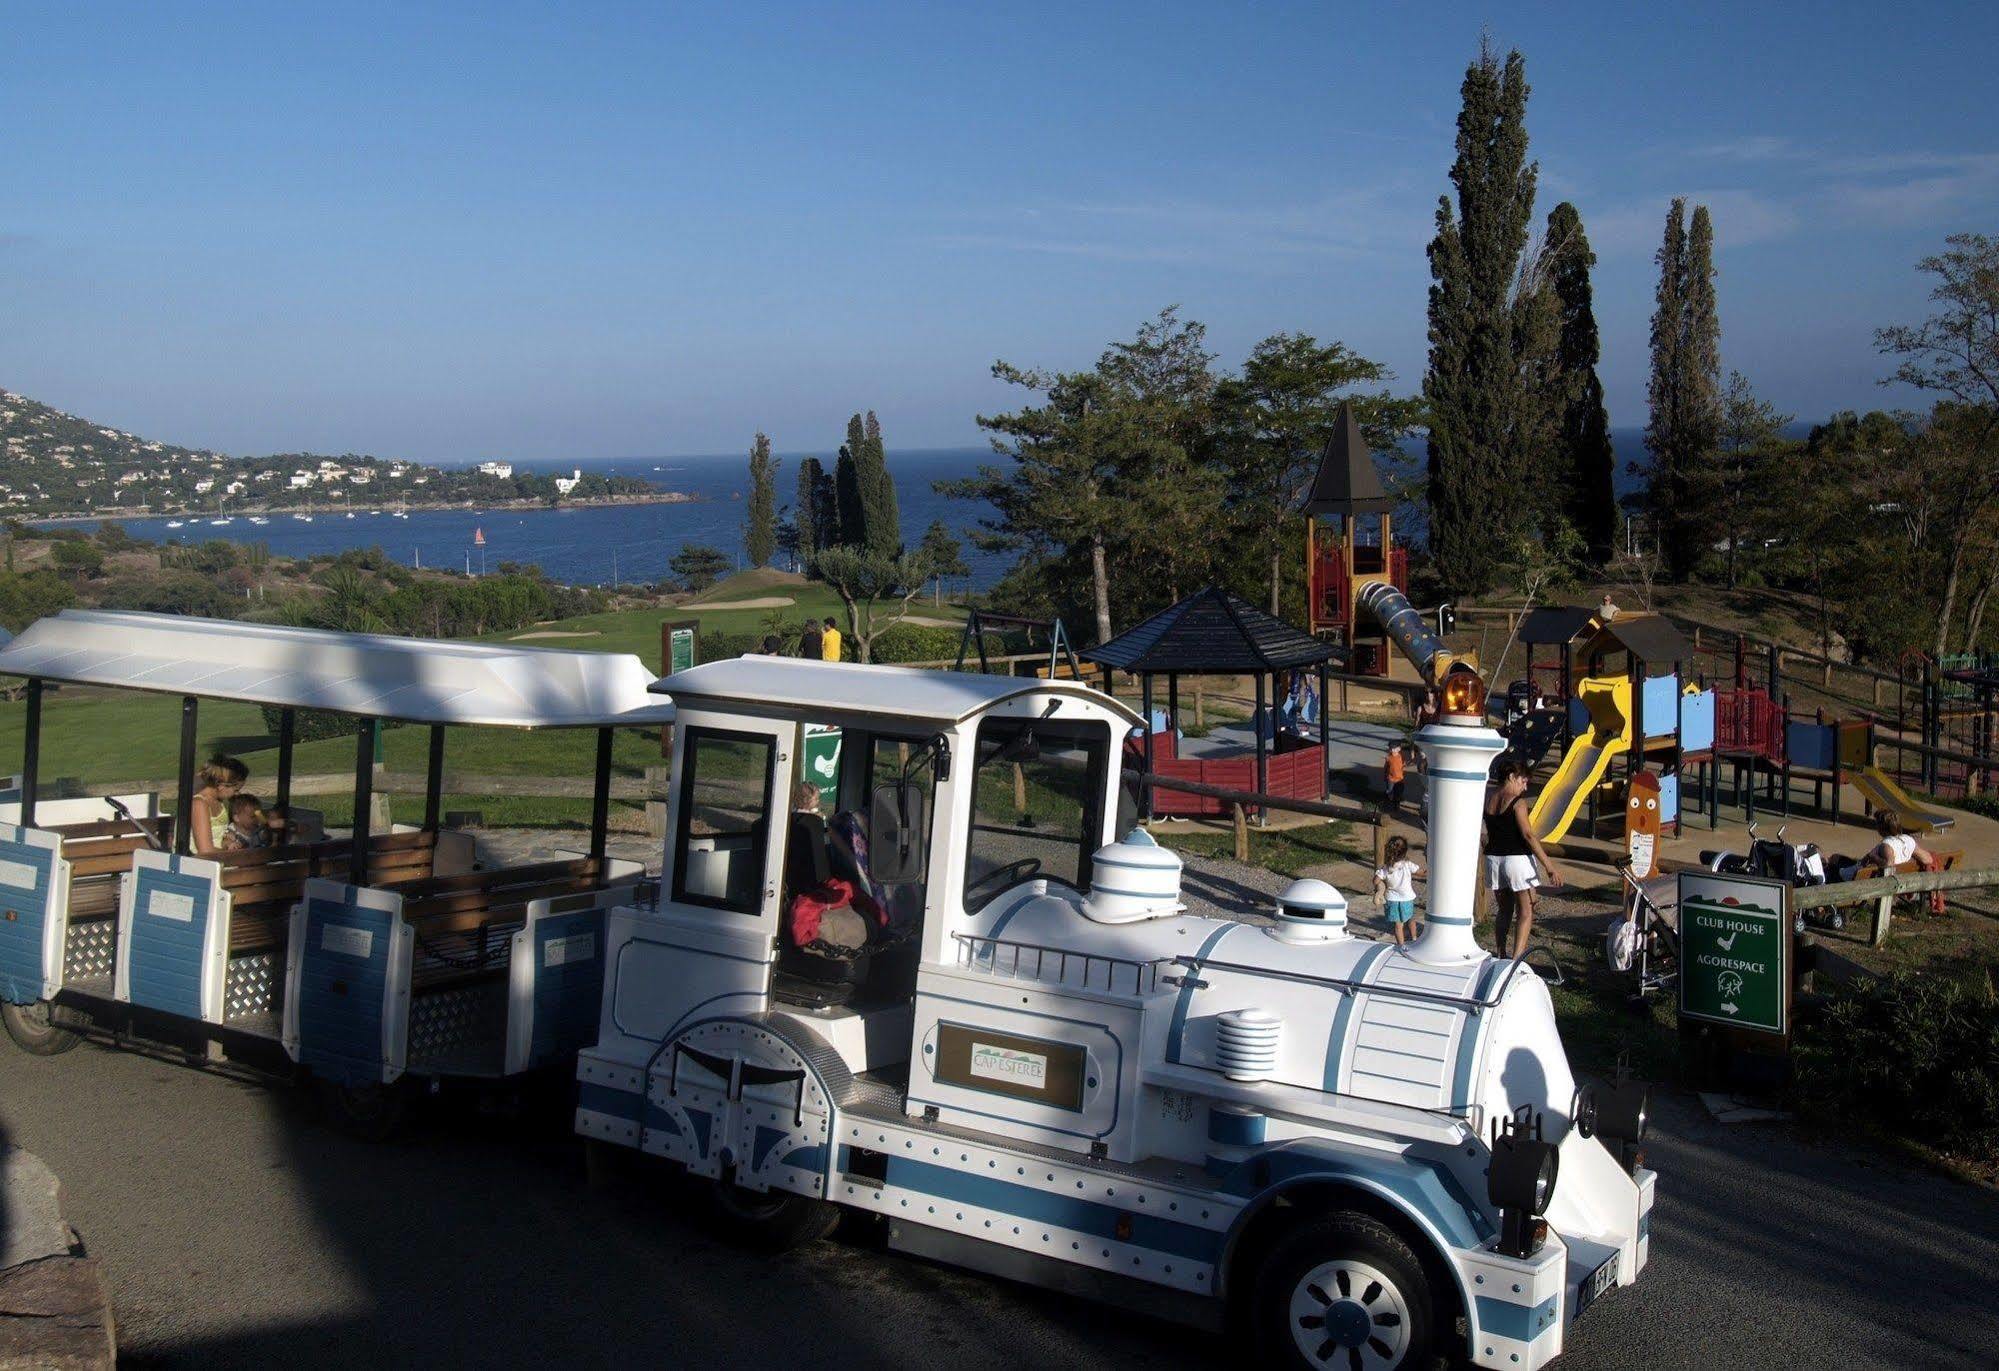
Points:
1004	1064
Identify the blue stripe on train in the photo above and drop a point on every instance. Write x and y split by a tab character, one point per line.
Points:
343	980
24	923
170	913
1516	1321
1056	1211
568	952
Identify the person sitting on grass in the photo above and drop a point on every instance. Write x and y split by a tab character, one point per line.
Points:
1512	852
1395	886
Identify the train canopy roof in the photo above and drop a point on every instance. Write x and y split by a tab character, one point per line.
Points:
369	675
798	687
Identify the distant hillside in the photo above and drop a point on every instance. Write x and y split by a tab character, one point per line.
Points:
52	463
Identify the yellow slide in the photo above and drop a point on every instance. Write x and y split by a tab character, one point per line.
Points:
1880	790
1608	700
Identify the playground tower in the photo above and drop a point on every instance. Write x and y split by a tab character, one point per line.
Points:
1340	558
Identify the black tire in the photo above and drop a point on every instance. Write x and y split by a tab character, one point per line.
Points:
37	1030
371	1113
1350	1287
775	1221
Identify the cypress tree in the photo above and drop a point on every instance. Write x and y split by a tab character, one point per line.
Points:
805	505
1475	386
1586	463
1685	387
849	488
760	520
884	517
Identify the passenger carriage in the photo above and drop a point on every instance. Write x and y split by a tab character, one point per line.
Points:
363	958
1362	1152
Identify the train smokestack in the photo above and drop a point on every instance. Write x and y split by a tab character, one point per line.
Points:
1460	749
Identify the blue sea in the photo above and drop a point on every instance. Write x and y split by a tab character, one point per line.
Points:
632	544
592	545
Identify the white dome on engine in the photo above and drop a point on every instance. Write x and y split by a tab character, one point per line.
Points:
1133	879
1310	911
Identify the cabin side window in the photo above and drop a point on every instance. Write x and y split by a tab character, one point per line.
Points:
724	833
1037	805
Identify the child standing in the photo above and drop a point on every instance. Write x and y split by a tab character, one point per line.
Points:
1392	772
1395	887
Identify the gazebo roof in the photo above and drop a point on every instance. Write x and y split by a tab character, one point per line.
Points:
1347	482
1213	631
1559	624
1649	637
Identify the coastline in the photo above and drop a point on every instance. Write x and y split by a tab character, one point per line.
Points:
203	516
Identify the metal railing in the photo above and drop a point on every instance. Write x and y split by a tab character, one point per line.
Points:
1017	960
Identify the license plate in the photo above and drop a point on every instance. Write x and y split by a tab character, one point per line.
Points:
1595	1283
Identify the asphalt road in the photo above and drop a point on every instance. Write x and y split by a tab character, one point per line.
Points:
238	1231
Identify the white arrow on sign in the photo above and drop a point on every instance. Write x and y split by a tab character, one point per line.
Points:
1728	1009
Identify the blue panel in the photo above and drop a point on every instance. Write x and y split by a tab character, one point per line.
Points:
1578	718
568	995
767	1138
164	963
1669	797
602	1099
1056	1211
1697	721
810	1158
1811	746
1661	695
23	923
1516	1321
343	980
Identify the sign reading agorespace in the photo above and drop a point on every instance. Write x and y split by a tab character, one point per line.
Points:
1735	951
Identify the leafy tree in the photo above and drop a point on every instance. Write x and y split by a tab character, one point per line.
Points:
1726	482
876	590
1685	387
1275	420
1584	463
698	566
944	556
1955	353
26	597
760	530
1474	387
850	528
811	511
79	559
882	513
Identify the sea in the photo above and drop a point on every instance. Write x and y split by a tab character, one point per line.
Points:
631	544
597	545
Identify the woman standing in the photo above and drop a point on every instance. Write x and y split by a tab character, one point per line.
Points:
1512	854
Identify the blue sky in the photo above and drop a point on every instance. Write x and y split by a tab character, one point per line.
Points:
591	230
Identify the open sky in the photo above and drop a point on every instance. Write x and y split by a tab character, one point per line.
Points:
448	232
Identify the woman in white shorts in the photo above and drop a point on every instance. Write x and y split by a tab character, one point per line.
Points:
1513	856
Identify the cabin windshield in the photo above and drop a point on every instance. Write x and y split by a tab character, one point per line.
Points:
725	805
1037	805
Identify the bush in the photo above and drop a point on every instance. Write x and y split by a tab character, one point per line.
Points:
78	558
173	592
925	643
25	598
1917	1054
311	725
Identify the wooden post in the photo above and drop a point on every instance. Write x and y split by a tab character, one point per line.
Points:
1884	910
1241	817
656	780
1262	760
1380	840
1200	702
1019	789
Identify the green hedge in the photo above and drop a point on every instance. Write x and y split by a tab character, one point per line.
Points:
310	725
921	643
1917	1054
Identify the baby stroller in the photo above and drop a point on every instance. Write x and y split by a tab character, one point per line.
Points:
1640	939
1797	864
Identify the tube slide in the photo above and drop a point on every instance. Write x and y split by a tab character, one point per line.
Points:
1608	700
1403	624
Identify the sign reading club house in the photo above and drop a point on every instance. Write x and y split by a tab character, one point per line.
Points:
1735	951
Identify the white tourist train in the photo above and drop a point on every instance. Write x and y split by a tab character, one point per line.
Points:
1358	1152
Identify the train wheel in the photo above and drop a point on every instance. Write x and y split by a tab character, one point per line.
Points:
372	1113
775	1221
1341	1291
35	1030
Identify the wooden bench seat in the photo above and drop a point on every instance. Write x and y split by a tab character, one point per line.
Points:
460	919
1946	861
264	883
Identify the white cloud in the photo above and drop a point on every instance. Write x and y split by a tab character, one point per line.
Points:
1741	217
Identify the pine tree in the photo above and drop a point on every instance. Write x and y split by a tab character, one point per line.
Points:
1475	385
1585	464
811	532
1685	388
760	520
850	488
881	507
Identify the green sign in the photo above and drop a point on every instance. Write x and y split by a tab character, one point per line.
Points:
1735	951
680	649
822	764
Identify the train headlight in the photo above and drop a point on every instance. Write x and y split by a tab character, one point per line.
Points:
1623	1108
1463	696
1523	1174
